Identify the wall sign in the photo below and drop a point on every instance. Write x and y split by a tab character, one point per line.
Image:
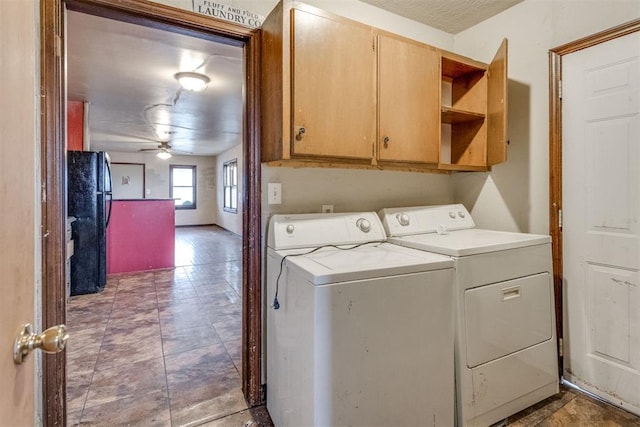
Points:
228	13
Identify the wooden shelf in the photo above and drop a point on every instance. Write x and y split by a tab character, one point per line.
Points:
455	65
452	115
462	168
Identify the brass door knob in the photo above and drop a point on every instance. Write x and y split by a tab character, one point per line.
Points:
52	340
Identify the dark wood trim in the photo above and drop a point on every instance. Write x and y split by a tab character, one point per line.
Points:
251	229
555	189
555	151
53	206
167	18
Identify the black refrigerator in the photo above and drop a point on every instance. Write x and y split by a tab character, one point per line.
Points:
89	200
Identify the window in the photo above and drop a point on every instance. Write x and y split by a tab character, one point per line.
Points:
183	186
230	182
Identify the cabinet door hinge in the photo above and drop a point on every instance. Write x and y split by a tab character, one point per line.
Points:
561	347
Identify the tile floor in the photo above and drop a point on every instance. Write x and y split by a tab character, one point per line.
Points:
571	408
162	348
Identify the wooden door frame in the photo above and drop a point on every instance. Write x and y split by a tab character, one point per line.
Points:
54	175
555	153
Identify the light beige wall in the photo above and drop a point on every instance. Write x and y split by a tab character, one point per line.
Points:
228	220
157	183
514	196
305	190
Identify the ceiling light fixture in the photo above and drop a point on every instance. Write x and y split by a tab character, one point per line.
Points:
195	82
164	155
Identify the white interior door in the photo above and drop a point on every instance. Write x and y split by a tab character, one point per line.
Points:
601	209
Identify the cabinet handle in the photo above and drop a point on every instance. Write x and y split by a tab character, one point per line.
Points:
386	142
300	134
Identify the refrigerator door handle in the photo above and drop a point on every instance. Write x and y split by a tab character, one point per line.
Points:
109	194
110	205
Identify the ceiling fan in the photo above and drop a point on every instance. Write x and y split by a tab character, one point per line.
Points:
164	150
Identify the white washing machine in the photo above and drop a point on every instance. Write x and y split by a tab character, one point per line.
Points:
361	332
505	348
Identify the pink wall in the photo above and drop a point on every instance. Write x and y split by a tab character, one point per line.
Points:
75	128
141	235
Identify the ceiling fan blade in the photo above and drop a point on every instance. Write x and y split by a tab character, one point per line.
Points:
149	149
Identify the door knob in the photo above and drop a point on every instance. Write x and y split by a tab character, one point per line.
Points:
52	340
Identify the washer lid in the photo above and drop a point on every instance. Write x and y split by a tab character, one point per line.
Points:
470	242
372	260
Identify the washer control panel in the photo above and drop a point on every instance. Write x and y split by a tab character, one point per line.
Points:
313	230
425	219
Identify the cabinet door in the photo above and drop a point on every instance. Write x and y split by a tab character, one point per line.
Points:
408	101
497	107
333	87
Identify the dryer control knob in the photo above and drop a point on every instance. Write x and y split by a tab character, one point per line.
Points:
452	215
364	225
403	219
461	214
290	228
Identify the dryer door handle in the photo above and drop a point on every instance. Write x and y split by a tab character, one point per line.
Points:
510	293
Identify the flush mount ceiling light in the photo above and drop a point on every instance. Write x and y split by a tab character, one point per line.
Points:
195	82
164	155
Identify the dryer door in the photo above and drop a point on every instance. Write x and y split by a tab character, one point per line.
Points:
508	316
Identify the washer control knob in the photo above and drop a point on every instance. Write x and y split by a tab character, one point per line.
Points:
461	214
403	219
364	225
452	215
290	228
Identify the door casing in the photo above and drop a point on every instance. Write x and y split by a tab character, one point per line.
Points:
52	75
555	154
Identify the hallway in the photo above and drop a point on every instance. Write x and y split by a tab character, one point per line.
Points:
162	347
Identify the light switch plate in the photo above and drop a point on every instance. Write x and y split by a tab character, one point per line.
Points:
274	190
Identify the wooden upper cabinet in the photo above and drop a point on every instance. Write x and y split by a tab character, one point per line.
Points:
473	112
334	87
497	107
408	101
338	93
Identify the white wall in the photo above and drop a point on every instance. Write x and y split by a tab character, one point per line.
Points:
228	220
157	183
515	195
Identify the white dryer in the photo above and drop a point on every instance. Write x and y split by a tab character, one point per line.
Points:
359	331
505	349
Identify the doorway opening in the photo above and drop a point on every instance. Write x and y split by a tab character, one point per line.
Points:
53	77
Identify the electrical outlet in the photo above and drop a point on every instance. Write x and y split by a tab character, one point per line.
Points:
327	208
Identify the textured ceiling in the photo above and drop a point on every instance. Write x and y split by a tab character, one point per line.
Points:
451	16
126	73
